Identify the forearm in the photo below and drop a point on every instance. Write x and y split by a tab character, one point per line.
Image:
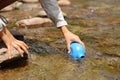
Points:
54	12
64	29
6	36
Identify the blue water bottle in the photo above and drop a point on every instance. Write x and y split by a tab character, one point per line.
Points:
77	51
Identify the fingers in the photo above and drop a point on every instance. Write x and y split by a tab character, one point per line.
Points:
9	52
23	46
20	46
19	50
82	44
78	40
68	47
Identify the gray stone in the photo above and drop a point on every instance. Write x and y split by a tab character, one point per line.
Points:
17	35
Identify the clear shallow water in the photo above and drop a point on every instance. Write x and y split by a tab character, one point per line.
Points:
98	25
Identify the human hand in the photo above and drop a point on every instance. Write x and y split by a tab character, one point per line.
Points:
20	46
70	37
11	43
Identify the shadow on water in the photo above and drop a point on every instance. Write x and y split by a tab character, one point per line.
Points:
14	64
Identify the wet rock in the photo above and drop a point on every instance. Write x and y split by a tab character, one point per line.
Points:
43	48
64	2
30	1
34	22
30	6
17	35
42	14
17	5
4	60
13	6
64	14
8	8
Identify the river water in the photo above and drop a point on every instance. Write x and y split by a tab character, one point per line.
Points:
97	22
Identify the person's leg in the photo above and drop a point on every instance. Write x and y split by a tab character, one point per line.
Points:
4	3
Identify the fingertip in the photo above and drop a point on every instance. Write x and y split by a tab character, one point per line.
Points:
22	55
9	54
69	49
9	57
69	52
27	52
82	44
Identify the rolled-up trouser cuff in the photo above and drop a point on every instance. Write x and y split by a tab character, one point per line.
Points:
61	23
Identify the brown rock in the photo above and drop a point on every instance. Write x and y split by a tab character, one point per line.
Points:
34	22
8	8
30	1
4	60
64	2
42	14
13	6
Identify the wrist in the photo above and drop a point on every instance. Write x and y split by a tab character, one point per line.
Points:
6	36
64	29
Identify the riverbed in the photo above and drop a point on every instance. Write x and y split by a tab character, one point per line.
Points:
97	22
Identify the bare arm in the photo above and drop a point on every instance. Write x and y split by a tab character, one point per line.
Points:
55	14
9	40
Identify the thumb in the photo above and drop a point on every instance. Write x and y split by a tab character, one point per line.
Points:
68	48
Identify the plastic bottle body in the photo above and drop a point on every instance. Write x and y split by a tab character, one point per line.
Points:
77	51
